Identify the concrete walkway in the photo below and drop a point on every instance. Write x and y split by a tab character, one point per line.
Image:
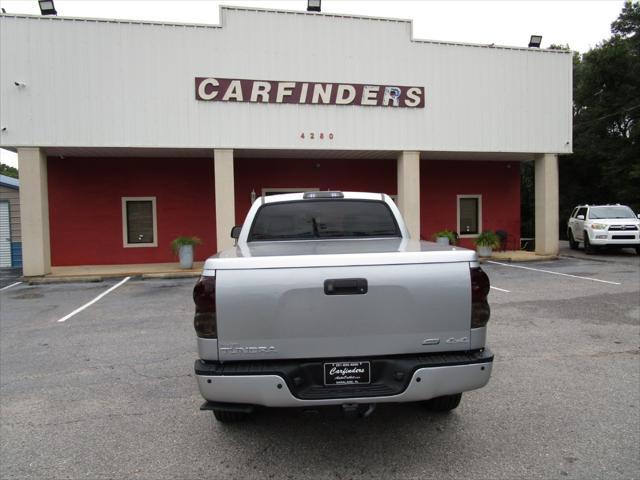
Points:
518	256
95	273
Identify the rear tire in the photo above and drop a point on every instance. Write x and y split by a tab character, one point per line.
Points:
226	416
443	404
573	245
588	248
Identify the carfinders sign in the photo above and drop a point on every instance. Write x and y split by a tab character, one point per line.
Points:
216	89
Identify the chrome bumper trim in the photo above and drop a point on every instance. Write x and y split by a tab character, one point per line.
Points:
272	390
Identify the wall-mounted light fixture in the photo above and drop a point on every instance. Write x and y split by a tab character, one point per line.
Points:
253	196
535	41
47	7
313	5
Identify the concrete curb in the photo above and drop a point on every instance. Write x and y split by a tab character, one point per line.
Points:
518	259
51	280
171	275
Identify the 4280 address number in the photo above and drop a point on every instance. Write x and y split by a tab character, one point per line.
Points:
316	136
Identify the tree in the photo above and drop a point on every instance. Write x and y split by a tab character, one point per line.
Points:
8	170
605	165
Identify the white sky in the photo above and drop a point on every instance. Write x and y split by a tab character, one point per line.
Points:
580	24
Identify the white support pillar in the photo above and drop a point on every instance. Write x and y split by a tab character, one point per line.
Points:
409	191
34	212
225	197
546	204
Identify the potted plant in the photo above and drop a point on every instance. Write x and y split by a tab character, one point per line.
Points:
486	242
183	247
446	237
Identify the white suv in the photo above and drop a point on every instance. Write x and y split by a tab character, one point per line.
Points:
603	225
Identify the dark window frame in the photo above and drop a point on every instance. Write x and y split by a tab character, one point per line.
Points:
125	223
478	199
255	218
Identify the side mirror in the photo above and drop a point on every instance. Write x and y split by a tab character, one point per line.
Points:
235	232
639	215
580	217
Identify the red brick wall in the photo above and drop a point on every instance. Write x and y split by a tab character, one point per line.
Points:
85	207
348	175
497	182
85	198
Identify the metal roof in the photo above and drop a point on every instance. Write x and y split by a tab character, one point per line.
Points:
9	182
282	12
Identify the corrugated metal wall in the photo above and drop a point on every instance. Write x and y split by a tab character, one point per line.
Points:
114	84
12	196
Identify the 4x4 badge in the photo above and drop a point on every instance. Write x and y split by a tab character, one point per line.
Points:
458	340
431	341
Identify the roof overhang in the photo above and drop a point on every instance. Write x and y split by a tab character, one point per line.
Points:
93	152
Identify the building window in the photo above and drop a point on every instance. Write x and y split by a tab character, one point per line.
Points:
139	222
266	192
469	215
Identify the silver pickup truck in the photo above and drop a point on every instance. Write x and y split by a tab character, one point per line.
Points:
325	300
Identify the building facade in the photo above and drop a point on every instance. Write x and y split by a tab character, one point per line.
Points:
10	229
130	134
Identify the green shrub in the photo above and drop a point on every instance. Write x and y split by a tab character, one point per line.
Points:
452	236
182	241
487	239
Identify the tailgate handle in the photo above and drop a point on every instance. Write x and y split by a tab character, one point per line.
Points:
346	286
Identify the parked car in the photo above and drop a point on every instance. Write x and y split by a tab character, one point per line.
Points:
603	226
325	300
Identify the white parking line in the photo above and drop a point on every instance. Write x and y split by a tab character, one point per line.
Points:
78	310
555	273
501	289
9	286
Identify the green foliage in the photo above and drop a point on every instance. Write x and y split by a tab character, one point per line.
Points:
452	236
8	170
487	239
554	46
605	165
184	240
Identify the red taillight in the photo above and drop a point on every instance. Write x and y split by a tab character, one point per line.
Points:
480	311
204	296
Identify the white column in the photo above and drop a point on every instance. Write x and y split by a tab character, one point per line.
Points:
225	197
546	204
409	191
34	212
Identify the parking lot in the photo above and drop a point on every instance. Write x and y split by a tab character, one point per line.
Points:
109	392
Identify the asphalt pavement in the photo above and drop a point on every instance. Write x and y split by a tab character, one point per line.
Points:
9	276
110	394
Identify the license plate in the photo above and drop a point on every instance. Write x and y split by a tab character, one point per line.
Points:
347	373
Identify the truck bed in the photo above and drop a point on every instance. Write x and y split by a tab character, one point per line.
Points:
276	299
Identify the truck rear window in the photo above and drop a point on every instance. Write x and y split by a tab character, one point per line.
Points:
316	219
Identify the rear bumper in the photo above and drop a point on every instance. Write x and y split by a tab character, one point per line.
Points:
271	384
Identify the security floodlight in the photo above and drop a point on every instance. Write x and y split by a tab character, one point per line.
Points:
47	7
313	5
535	41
